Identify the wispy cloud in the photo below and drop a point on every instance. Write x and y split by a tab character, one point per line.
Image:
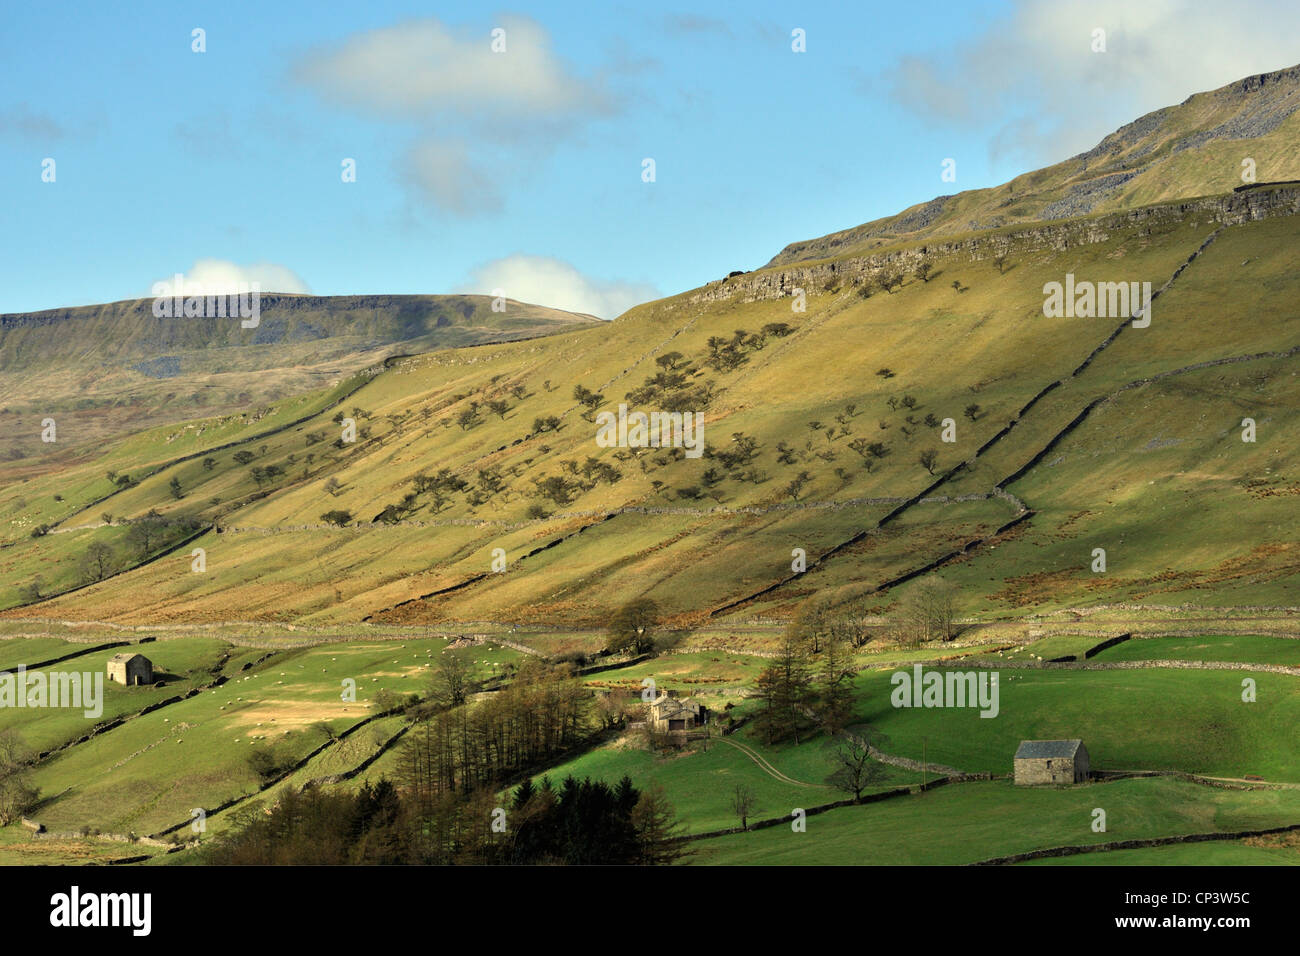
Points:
22	122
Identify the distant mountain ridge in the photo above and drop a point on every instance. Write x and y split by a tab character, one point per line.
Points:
118	367
1196	148
128	328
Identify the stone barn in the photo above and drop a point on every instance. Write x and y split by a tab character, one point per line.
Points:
670	712
1051	761
130	669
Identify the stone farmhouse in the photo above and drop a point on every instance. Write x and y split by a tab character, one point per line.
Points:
669	712
130	669
1051	761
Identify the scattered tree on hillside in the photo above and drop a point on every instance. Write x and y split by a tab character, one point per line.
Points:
743	803
556	488
928	459
855	769
588	399
795	488
147	531
927	612
17	795
337	517
98	560
453	681
669	360
631	629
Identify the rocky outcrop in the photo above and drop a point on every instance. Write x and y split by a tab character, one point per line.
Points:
780	282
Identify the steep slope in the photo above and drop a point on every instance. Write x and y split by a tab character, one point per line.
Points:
1194	149
885	411
1081	433
107	369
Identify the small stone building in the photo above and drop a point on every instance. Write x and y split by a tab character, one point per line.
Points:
670	712
1051	761
130	669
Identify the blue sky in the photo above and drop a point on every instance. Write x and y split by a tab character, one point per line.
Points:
522	170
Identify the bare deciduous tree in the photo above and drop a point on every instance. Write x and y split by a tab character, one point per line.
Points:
927	613
743	803
855	770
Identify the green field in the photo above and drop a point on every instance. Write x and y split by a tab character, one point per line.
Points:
964	823
150	772
1254	649
699	784
1156	719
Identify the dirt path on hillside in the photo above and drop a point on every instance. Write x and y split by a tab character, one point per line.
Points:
767	768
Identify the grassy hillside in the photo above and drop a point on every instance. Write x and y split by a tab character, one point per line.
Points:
462	452
427	479
1193	149
978	821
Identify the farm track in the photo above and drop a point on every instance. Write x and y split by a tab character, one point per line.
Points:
766	767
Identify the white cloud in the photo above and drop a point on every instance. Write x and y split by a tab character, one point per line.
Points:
422	68
507	109
544	281
220	277
1034	82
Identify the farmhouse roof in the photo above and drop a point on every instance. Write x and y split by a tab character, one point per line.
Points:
668	705
1037	749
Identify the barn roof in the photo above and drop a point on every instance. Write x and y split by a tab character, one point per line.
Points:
1036	749
120	658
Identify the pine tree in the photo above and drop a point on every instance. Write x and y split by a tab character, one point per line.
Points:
834	687
784	690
